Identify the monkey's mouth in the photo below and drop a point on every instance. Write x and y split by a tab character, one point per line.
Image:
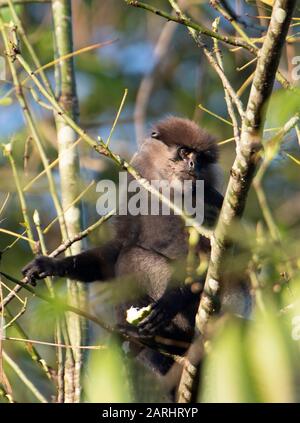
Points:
186	175
193	174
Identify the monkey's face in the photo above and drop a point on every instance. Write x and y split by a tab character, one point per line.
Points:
189	150
189	164
178	149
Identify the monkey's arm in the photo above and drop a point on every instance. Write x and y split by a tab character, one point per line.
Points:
94	264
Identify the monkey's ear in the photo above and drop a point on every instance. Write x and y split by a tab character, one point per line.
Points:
155	134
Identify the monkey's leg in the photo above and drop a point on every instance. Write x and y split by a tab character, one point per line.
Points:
94	264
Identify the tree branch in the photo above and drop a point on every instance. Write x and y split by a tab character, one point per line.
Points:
247	158
201	29
242	174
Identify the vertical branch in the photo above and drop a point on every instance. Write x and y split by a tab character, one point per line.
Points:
11	48
69	173
8	153
247	158
245	164
27	43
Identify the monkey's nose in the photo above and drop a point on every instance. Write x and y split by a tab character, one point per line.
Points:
191	165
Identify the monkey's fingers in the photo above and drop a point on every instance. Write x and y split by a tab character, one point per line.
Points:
39	268
152	322
31	275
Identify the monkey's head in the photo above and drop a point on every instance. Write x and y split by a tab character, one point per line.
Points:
178	150
188	151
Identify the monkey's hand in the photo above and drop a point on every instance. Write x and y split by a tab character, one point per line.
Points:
39	268
165	309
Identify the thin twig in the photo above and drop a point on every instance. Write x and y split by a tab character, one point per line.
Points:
212	61
189	24
60	249
228	98
19	314
17	369
117	116
54	344
59	303
31	350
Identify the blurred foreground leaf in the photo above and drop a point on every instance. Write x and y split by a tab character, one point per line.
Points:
270	350
225	373
106	379
252	361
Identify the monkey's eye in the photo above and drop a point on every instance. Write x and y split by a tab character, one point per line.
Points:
155	134
183	153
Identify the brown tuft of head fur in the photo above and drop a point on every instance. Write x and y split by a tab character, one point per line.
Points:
186	133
